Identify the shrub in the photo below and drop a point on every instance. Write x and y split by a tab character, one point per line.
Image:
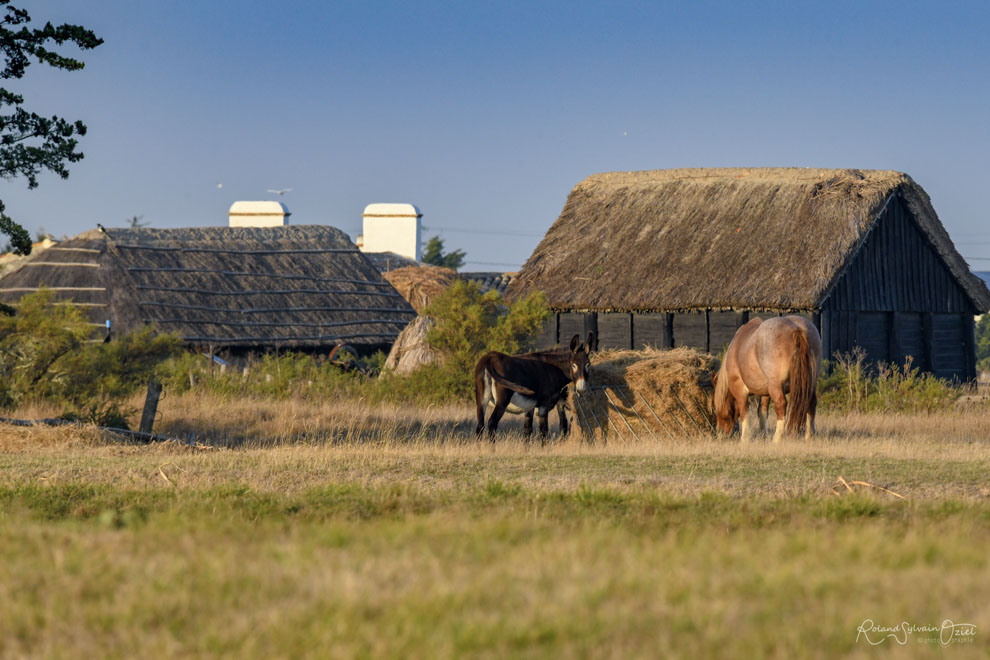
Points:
849	384
983	343
270	375
45	356
469	324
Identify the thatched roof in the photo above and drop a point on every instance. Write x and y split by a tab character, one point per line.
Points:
420	285
292	286
499	282
720	238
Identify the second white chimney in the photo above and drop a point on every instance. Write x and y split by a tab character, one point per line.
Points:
258	214
392	228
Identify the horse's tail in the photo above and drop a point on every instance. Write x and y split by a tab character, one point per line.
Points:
508	383
802	383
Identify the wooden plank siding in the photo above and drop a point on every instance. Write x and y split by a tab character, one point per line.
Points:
691	330
722	328
613	330
897	270
898	299
571	323
648	330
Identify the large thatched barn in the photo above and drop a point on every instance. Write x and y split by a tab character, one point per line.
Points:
236	288
683	257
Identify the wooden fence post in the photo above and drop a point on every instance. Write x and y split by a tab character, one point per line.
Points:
150	406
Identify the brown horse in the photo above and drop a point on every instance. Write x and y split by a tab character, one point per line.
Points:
530	382
769	359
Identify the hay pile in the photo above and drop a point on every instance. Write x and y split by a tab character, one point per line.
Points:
647	394
410	350
420	284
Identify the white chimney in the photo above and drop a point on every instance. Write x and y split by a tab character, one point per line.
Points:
392	228
258	214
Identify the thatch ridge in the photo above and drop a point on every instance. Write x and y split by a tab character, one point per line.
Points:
720	238
294	286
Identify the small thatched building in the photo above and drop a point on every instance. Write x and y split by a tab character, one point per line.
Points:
683	257
237	288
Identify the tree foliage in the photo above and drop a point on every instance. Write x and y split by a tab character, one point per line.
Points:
469	324
29	142
45	356
434	255
983	343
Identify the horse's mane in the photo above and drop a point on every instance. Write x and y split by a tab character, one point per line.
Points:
721	388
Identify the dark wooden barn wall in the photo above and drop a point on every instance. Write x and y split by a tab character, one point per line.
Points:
571	323
897	270
898	299
614	330
704	330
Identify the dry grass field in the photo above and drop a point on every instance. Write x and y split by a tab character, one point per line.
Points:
291	530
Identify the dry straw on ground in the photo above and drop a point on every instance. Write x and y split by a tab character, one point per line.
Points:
647	393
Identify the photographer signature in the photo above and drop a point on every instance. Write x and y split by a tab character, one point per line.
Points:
948	632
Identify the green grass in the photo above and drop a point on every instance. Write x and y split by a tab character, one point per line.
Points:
425	549
503	569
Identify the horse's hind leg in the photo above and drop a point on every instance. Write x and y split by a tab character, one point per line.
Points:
779	407
742	405
762	411
809	429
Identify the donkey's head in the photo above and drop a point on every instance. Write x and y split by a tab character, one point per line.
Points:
579	369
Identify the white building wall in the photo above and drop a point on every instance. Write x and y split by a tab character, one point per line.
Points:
258	214
392	228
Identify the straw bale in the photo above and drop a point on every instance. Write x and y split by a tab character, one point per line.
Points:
674	386
410	351
420	285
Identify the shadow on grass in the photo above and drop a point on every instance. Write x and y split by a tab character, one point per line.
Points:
372	429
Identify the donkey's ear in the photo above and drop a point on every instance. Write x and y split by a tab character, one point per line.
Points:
590	346
575	342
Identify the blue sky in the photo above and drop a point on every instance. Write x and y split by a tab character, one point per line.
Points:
485	114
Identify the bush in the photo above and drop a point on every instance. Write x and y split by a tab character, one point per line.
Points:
45	356
850	385
469	324
273	376
983	343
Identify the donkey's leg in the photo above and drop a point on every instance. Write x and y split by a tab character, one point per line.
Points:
562	417
779	407
494	419
528	425
482	397
543	414
502	396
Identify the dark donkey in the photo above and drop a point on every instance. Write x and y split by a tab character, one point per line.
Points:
530	382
